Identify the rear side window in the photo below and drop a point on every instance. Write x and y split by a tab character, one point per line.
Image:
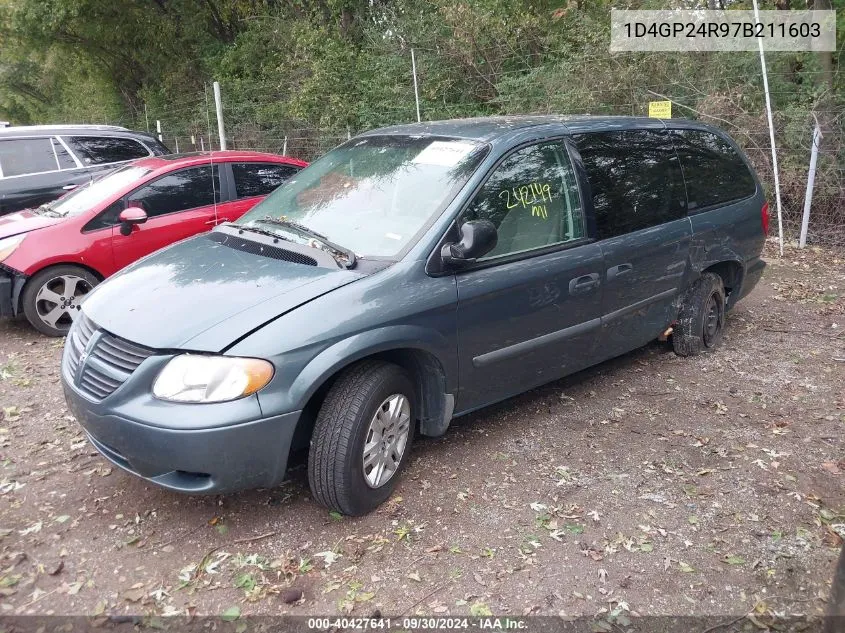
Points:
259	179
62	155
27	156
635	179
714	171
179	191
98	150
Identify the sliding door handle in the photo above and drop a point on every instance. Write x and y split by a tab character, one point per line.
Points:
616	271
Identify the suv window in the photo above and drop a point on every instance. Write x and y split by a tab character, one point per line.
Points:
532	198
259	179
98	150
62	155
179	191
635	179
714	171
27	156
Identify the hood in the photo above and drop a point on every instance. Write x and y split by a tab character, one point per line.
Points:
24	222
201	295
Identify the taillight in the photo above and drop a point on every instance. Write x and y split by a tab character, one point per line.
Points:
764	217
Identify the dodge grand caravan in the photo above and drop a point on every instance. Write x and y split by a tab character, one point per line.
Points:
413	274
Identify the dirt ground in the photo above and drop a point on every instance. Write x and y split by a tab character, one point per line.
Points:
650	485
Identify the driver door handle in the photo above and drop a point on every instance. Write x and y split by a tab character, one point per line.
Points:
584	284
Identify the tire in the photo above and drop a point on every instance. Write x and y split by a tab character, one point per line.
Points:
47	306
337	473
701	319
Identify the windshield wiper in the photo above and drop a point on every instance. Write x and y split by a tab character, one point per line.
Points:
343	255
47	210
255	229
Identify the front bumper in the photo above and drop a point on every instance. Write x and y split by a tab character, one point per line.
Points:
11	283
191	448
216	460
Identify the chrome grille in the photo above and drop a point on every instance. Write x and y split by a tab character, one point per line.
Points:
81	332
109	363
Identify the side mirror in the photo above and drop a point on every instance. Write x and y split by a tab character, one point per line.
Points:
478	237
129	217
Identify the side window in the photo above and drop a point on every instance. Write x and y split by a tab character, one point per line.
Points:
259	179
27	156
635	179
179	191
713	170
62	155
532	198
98	150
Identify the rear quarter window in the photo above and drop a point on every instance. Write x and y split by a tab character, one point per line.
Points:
99	150
713	170
635	179
27	156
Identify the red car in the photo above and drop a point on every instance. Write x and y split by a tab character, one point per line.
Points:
52	256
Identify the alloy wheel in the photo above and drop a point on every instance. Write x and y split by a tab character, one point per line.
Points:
57	301
386	440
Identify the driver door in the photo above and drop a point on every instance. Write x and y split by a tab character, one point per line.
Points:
178	205
529	310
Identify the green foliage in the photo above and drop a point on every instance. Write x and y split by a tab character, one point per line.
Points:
307	72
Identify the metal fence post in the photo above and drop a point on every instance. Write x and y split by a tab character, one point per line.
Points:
158	130
416	88
218	105
811	181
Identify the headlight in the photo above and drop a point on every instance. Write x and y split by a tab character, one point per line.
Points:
198	378
8	246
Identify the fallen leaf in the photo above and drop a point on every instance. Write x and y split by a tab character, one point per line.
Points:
231	614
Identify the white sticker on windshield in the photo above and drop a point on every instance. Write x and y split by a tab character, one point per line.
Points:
445	153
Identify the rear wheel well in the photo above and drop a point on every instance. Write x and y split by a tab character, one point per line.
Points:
429	381
731	274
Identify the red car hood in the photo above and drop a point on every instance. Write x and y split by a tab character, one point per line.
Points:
23	222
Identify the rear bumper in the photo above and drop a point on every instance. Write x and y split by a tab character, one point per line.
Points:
197	461
753	272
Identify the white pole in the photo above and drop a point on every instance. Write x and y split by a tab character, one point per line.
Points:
177	144
202	145
218	104
158	130
416	88
285	147
811	181
771	129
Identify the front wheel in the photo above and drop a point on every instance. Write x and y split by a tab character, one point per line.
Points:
362	437
701	319
51	298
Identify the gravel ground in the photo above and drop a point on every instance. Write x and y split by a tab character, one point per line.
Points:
648	485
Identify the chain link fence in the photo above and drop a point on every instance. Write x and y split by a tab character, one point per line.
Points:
258	122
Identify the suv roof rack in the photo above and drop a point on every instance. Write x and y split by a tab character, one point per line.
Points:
45	128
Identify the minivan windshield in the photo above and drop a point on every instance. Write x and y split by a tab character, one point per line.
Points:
88	196
372	195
